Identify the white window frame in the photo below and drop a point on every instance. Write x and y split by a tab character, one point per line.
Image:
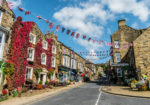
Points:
29	76
54	49
116	44
119	72
44	63
73	64
31	59
34	38
53	62
44	47
118	59
1	15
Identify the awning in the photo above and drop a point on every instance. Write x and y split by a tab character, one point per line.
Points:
120	64
63	69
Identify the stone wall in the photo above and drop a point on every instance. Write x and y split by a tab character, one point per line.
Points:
124	35
142	52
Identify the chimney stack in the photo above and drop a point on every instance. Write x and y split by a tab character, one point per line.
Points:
121	22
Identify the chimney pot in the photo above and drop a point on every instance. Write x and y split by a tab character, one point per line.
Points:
121	22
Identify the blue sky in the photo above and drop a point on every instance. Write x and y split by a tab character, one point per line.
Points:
94	18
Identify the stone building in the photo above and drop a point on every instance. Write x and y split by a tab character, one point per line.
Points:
128	43
6	20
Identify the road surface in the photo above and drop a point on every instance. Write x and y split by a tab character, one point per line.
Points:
90	94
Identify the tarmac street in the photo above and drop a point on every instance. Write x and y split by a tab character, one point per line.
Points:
90	94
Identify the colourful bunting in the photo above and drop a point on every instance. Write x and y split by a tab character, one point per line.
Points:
68	31
63	29
84	37
47	21
72	34
57	28
77	36
20	9
89	39
39	17
93	40
51	25
27	12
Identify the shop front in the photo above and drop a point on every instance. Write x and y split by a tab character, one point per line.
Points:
63	74
74	75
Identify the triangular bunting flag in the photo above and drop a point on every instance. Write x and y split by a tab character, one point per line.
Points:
93	40
72	34
27	12
77	36
39	17
68	31
20	9
57	28
63	29
84	36
47	21
89	39
51	25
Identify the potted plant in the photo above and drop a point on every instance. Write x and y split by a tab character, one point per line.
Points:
40	86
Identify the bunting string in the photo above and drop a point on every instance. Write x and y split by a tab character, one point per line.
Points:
68	31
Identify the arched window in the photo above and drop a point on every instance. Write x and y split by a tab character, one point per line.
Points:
43	59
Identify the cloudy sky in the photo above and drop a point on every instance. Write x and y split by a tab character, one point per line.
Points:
94	18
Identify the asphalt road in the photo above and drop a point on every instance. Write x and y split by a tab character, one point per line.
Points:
90	94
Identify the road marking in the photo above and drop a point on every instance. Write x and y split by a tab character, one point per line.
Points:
99	96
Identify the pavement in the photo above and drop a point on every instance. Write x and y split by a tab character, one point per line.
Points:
126	91
24	100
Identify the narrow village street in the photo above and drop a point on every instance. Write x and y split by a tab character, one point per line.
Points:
90	94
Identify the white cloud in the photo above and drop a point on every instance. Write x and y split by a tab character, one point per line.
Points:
92	58
14	3
134	7
91	47
84	18
134	25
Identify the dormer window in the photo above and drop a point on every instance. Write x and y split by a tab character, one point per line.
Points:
45	45
32	38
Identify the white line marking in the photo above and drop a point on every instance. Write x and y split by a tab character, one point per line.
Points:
99	96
